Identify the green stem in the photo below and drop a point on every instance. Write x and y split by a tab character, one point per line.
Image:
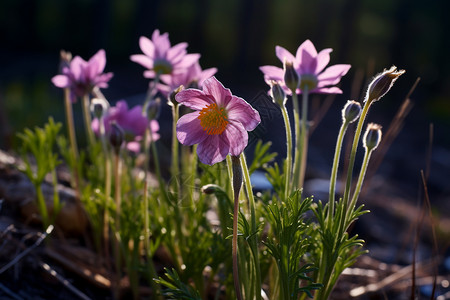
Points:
87	120
254	238
297	158
353	151
107	156
334	170
117	199
362	174
304	136
41	204
236	187
150	266
288	170
175	164
73	141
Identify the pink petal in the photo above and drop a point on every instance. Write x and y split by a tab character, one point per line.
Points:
327	90
77	66
307	62
306	46
284	55
147	47
161	44
194	99
333	72
143	60
189	130
273	73
188	60
239	110
237	137
134	146
323	58
99	61
213	149
61	81
205	74
176	51
215	88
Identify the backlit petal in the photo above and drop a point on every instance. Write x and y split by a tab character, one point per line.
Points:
212	150
237	137
284	55
213	87
239	110
194	99
61	81
189	130
323	58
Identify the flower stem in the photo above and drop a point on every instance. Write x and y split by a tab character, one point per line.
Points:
353	151
288	170
304	136
253	241
150	266
297	158
362	174
117	199
73	141
334	170
107	156
87	120
236	185
175	163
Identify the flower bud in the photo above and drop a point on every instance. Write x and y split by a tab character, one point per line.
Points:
99	107
291	78
278	94
210	189
116	137
173	101
372	136
351	111
382	83
153	109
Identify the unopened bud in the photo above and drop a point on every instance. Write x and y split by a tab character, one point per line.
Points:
99	107
291	78
351	111
382	83
172	99
278	94
116	137
153	109
372	136
210	189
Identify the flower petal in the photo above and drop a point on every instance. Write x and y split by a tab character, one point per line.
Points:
189	130
97	62
239	110
143	60
213	149
61	81
194	99
334	72
215	88
273	73
284	55
323	58
327	90
188	60
147	46
177	51
237	137
308	47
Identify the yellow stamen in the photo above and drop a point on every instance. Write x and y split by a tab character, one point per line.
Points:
213	119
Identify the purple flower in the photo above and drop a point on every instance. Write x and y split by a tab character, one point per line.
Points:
82	76
131	121
193	76
310	67
219	123
160	58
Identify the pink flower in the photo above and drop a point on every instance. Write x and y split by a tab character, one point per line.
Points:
131	121
82	76
160	58
219	123
193	76
310	67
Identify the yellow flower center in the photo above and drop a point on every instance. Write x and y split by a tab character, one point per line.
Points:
213	119
308	81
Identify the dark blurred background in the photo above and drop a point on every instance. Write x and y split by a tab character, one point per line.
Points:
237	37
